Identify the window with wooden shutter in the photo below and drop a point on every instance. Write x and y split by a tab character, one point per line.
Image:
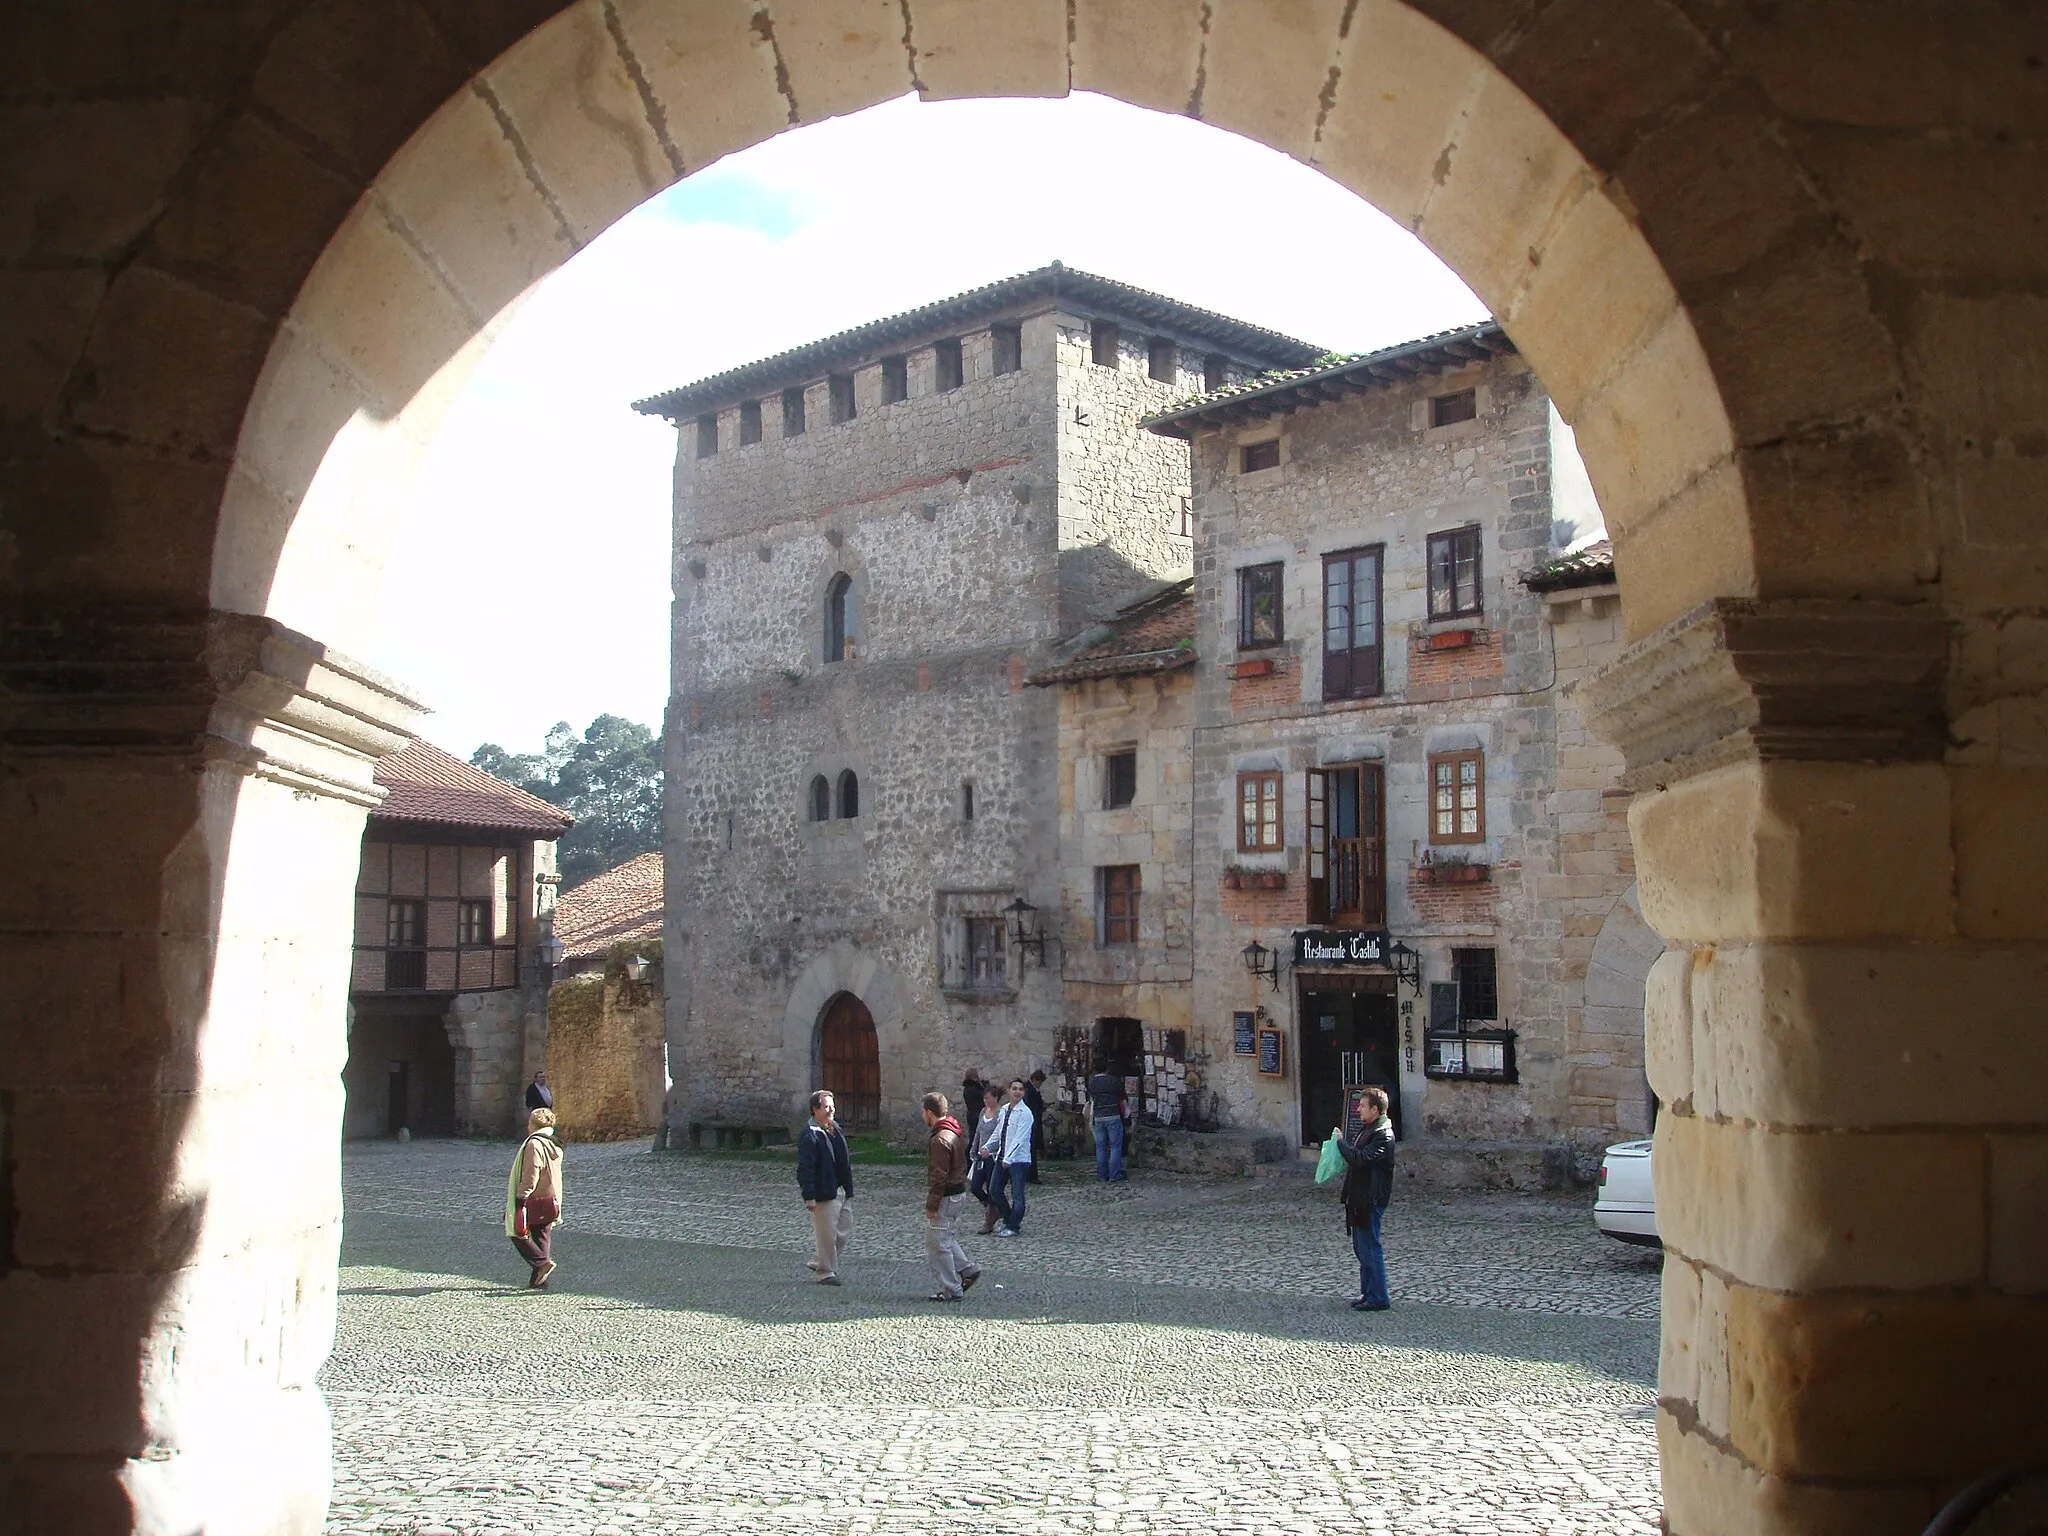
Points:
1258	813
1454	574
1348	846
1118	884
987	960
1351	624
1457	797
1347	871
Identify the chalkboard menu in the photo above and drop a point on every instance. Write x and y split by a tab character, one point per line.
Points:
1270	1060
1245	1028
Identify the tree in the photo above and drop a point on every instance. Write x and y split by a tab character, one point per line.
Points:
609	779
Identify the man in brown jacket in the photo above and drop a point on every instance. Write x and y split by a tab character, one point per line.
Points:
944	1193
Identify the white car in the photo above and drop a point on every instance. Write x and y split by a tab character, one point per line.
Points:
1627	1207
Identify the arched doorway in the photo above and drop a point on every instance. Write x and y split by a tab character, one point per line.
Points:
850	1062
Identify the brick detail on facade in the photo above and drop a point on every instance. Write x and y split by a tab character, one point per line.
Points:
1438	672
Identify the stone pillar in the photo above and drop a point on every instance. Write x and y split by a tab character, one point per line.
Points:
185	796
1852	1161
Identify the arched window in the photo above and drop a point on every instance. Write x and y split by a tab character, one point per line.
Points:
839	619
849	795
821	799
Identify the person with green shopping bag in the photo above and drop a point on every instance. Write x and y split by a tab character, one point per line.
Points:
1368	1186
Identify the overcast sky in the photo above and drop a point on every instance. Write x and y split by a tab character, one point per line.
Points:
550	496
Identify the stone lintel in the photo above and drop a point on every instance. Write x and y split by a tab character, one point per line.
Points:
1798	679
231	689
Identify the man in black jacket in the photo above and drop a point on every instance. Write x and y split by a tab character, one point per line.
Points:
1368	1186
824	1172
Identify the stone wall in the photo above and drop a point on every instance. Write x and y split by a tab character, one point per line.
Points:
494	1058
607	1055
1149	980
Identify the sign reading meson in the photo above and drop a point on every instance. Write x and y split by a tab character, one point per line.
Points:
1322	947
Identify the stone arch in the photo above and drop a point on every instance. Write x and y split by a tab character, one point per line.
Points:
581	120
1607	1054
842	968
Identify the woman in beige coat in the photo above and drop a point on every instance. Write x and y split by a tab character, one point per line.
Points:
533	1195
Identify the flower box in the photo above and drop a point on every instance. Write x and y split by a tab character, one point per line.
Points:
1255	879
1452	639
1258	666
1457	874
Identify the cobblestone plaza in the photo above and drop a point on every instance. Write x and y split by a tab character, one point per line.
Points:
1172	1355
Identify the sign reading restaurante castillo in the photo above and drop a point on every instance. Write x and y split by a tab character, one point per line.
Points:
1314	947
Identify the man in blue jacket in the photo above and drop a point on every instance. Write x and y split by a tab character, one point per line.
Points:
824	1172
1368	1186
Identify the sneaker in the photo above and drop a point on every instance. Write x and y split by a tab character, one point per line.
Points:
541	1273
1362	1305
942	1296
967	1281
828	1279
1006	1232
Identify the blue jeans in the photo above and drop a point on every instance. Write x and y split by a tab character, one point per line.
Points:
1007	1189
1109	1148
1372	1261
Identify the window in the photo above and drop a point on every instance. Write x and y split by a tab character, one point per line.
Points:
405	925
967	800
1351	624
1259	605
473	924
1454	574
849	795
750	422
1448	410
1457	797
1119	779
840	386
1258	813
1117	888
1253	457
948	370
1215	372
1103	344
895	379
1478	995
1347	869
1162	360
1006	348
986	963
821	799
405	939
793	413
839	618
707	436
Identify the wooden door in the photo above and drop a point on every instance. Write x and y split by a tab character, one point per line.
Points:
850	1062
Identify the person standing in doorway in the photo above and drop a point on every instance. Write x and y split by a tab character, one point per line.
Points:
1368	1186
533	1196
1034	1098
824	1173
1013	1161
1106	1105
971	1087
945	1191
537	1094
987	1153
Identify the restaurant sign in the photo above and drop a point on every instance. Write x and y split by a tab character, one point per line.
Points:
1321	948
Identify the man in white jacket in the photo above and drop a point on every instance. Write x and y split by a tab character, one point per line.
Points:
1013	1162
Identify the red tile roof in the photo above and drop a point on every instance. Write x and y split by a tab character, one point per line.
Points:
619	906
1592	566
1155	634
426	784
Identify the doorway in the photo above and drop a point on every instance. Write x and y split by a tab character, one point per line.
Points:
850	1062
1350	1038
